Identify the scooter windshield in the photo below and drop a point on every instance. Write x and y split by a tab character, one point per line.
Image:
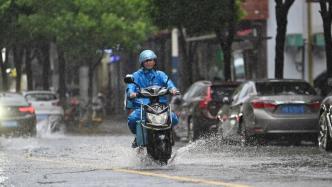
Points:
154	91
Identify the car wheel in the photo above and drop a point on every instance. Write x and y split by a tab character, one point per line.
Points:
324	138
220	133
192	130
244	139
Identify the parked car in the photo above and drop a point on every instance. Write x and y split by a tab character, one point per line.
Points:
16	115
325	124
267	109
46	104
321	84
198	108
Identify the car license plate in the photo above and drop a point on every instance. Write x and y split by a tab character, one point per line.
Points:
41	117
292	109
9	124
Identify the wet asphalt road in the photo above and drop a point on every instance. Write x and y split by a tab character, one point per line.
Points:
104	158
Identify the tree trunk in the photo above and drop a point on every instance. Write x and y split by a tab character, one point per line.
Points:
162	63
92	68
281	16
3	67
28	69
45	50
195	66
225	35
226	46
327	19
90	85
227	61
280	41
186	73
18	57
62	75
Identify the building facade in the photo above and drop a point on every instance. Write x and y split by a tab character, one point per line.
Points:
304	45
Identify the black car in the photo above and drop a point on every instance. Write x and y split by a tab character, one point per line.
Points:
321	84
17	116
325	124
198	108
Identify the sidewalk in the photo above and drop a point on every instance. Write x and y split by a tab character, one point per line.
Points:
113	124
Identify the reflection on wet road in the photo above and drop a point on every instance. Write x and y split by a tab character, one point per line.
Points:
103	160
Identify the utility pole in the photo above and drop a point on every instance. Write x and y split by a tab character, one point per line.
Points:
309	43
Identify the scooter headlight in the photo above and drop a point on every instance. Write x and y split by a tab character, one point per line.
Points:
157	119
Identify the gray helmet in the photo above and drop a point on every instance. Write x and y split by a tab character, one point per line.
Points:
146	55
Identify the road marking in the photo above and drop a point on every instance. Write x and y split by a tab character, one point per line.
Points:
179	178
137	172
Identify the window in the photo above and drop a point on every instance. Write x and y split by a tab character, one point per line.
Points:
235	96
284	88
245	91
41	97
221	91
12	99
196	90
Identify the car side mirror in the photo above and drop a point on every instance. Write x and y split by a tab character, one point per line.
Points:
129	79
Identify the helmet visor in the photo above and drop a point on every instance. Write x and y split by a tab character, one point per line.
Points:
149	64
150	60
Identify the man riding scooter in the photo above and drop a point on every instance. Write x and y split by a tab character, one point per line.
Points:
147	76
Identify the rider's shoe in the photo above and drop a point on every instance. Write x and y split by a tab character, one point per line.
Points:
134	144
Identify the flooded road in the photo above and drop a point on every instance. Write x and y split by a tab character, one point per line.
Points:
106	159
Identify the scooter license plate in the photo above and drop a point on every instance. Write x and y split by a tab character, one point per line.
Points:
141	134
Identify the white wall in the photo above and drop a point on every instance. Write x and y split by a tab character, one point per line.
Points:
319	59
297	23
271	31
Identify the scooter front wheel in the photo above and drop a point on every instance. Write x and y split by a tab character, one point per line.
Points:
160	147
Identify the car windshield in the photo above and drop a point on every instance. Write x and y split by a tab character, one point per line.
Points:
12	99
218	92
41	97
284	88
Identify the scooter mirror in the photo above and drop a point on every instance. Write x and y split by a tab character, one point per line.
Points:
129	79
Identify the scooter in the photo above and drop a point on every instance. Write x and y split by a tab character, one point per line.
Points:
154	129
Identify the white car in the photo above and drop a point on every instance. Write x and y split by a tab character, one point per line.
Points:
46	104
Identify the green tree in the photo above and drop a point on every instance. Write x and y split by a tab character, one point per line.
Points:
7	20
13	37
168	14
195	17
79	28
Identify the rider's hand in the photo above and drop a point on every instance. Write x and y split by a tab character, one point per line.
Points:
173	91
133	95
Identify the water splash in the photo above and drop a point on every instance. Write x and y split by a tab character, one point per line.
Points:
45	129
3	177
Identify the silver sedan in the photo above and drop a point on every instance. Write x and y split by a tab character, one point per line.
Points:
267	109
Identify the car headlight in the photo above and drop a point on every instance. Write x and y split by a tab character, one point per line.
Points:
157	119
1	111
